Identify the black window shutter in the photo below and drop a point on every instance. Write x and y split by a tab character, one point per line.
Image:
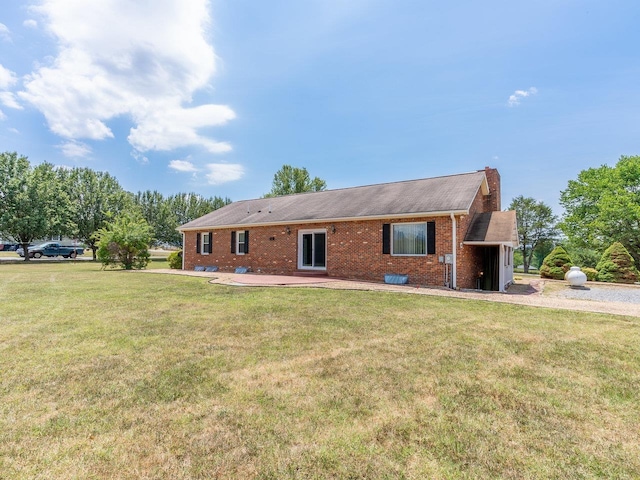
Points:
431	238
386	238
233	242
246	241
197	243
210	242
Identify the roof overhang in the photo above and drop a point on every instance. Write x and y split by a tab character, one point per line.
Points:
493	228
328	220
491	244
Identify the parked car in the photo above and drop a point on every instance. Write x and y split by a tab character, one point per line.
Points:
8	247
51	249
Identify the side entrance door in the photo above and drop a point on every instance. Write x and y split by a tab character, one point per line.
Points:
312	249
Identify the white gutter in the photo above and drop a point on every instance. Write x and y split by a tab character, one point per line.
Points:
455	256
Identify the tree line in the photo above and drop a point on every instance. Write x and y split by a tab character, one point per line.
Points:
41	201
601	209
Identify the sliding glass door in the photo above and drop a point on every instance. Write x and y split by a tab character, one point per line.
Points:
312	249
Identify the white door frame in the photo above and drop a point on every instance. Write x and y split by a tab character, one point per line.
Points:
301	234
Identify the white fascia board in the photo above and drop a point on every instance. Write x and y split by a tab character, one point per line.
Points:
484	187
489	244
329	220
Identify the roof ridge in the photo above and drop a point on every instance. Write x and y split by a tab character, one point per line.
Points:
370	185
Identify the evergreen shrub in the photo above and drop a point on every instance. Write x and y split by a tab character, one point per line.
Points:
175	260
617	265
591	273
556	264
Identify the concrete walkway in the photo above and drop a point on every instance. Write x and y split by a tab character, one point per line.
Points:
529	292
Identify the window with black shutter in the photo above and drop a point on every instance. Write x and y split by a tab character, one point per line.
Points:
431	238
409	239
386	239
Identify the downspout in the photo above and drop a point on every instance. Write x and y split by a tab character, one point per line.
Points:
501	270
455	256
183	249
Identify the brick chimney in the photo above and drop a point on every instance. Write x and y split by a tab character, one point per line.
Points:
492	201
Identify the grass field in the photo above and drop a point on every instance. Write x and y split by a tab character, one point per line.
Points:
111	374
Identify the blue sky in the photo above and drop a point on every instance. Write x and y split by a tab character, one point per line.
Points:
214	97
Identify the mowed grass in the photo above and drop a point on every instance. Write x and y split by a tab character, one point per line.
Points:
130	375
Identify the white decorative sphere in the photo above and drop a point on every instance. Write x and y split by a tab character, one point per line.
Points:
576	277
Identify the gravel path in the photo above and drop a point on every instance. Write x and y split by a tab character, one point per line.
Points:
603	293
533	292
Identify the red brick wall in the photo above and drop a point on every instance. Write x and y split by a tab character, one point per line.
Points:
469	259
493	200
354	251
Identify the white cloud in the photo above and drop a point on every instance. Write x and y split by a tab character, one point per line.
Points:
31	23
8	99
2	116
514	100
140	158
219	173
215	173
146	64
166	129
182	166
75	149
7	78
4	32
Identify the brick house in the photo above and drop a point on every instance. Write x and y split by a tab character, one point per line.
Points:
443	231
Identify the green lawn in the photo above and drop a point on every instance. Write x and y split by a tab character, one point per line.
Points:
111	374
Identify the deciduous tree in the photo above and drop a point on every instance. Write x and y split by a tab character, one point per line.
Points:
603	206
96	197
289	180
33	202
166	214
536	226
125	242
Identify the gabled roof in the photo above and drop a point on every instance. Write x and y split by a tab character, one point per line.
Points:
429	196
493	228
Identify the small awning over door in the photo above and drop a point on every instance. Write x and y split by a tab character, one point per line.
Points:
493	228
495	234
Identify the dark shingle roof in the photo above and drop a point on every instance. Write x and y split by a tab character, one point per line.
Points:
426	196
493	227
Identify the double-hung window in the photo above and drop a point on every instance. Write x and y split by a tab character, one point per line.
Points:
206	243
240	242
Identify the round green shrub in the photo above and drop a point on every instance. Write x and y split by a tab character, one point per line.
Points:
556	264
591	273
175	260
616	265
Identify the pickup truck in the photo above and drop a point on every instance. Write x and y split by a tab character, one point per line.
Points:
51	249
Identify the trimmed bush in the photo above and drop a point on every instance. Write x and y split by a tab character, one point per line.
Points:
556	264
616	265
591	273
175	260
124	243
